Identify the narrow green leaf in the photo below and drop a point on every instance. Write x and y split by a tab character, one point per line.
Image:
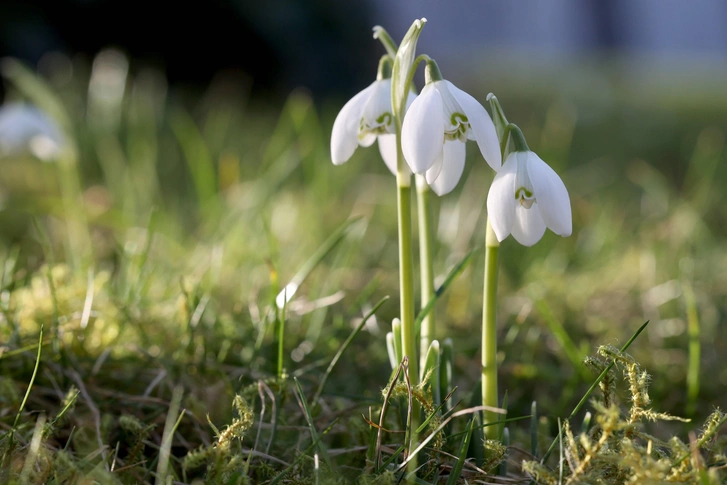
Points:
556	328
343	348
310	448
287	293
196	152
25	399
534	429
311	426
457	468
593	388
695	348
174	417
456	271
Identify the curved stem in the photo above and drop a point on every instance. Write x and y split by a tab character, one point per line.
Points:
409	80
383	36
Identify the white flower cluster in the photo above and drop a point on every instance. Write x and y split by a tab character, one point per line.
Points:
526	195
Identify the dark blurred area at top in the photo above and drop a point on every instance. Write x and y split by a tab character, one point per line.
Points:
276	45
326	45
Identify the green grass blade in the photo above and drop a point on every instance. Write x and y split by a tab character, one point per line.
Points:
456	271
695	349
457	469
494	423
25	398
393	456
505	439
561	458
196	152
174	417
280	336
287	293
431	366
390	350
425	442
593	388
37	90
707	436
398	346
504	406
343	348
534	429
310	448
569	347
32	380
423	426
311	426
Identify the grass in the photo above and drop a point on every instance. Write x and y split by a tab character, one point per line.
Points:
142	275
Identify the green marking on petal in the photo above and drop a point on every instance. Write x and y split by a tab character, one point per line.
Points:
525	197
461	124
523	192
385	119
381	126
458	118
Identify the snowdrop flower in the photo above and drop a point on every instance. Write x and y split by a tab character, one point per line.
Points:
368	116
527	196
436	128
25	128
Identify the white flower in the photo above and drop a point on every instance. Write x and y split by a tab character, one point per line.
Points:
366	117
435	129
25	128
526	197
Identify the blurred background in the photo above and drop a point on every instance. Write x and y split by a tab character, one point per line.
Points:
216	120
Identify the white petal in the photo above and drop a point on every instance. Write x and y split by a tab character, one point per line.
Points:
501	202
410	99
387	148
481	126
422	135
551	195
434	171
367	140
344	137
528	227
377	110
452	168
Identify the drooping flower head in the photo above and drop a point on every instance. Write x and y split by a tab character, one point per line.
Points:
436	128
368	116
527	196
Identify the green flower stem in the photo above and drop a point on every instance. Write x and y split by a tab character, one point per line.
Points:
406	272
406	283
404	67
489	331
426	250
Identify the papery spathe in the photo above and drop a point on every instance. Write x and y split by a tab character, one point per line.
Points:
527	196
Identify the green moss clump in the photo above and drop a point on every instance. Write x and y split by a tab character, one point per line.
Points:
617	450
